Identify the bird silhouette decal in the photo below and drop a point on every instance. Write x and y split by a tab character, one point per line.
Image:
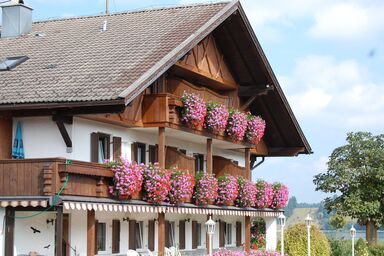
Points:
35	230
47	246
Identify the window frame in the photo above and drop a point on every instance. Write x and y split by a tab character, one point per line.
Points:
199	159
199	238
139	230
228	233
100	234
139	146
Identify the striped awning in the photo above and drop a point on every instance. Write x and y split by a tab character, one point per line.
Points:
233	211
24	203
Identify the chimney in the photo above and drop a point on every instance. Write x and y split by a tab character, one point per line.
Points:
17	19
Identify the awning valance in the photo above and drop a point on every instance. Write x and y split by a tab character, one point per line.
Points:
24	203
184	209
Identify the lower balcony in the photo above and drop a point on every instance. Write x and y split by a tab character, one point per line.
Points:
46	176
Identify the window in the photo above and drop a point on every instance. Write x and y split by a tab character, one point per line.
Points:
199	162
170	234
100	147
101	236
198	231
228	234
139	234
152	153
12	62
138	151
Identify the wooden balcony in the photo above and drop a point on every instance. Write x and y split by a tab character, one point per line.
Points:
36	177
223	166
45	177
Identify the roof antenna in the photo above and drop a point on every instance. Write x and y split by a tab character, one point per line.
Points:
106	7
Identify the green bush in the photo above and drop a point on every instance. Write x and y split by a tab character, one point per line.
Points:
376	250
361	247
295	240
340	247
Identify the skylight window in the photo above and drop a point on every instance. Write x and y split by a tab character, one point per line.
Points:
12	62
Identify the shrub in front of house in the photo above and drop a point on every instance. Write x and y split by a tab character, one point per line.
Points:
193	111
182	185
227	190
237	125
255	129
217	118
340	247
280	195
157	183
295	241
226	252
127	178
247	193
205	189
264	194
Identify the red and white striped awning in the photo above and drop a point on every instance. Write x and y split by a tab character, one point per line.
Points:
167	209
24	203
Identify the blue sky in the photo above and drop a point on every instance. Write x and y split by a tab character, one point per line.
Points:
328	56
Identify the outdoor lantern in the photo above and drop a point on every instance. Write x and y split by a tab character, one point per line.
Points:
210	226
308	221
352	231
211	231
282	219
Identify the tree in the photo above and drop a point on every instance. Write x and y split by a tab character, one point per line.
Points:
355	177
337	222
292	204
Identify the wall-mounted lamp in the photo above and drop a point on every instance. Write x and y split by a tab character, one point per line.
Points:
50	221
126	219
188	220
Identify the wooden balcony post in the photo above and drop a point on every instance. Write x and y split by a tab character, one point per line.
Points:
161	148
248	164
161	234
209	156
59	231
247	233
9	231
91	232
5	137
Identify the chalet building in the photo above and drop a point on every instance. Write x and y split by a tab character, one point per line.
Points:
80	91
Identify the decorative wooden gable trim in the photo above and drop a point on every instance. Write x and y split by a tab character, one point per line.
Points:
207	64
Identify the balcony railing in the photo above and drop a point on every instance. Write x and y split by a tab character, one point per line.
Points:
223	166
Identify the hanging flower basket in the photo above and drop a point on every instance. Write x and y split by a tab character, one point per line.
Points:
157	183
227	190
127	179
217	118
280	195
206	189
181	187
255	129
264	194
247	193
237	125
193	111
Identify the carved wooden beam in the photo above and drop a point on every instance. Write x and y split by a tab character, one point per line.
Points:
60	120
255	90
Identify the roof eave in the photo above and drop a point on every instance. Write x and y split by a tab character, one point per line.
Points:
272	76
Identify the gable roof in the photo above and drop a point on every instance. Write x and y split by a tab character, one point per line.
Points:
72	60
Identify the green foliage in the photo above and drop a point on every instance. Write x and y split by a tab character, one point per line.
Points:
341	247
292	204
337	221
295	240
361	248
356	176
376	250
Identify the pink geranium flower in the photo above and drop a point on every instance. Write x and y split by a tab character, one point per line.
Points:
193	111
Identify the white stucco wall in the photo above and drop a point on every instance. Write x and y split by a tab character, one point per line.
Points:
2	236
42	139
271	233
26	241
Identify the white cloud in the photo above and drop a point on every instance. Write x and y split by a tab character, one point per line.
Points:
338	92
347	21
